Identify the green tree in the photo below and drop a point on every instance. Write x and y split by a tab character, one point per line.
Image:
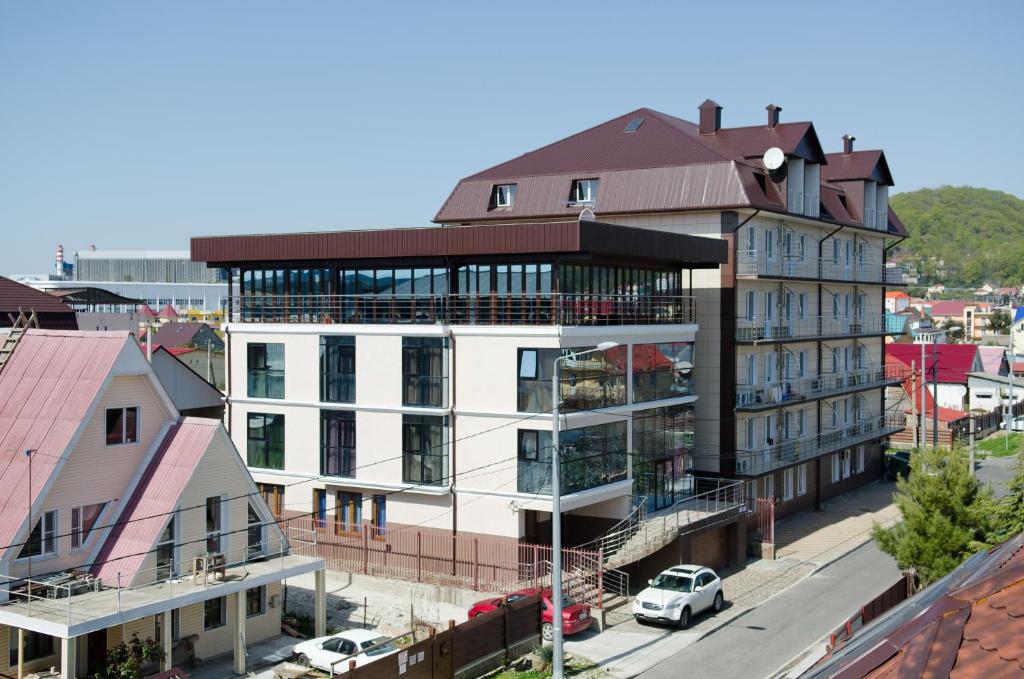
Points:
953	335
125	661
947	516
1009	513
999	321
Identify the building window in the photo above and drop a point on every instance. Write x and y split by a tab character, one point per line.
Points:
835	467
595	381
122	426
801	479
273	495
423	371
214	523
266	370
662	371
214	613
380	515
43	539
255	532
502	195
348	517
787	484
846	463
424	450
37	646
265	441
165	563
337	369
534	467
320	507
255	601
337	443
583	191
860	459
82	520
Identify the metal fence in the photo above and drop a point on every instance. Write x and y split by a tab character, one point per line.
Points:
465	651
478	309
490	564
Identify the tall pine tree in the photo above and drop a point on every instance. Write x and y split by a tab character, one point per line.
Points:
947	516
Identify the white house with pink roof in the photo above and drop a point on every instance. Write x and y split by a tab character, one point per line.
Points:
121	518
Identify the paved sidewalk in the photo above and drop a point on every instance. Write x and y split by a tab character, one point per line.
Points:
820	537
260	657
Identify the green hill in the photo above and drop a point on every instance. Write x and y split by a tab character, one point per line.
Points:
963	236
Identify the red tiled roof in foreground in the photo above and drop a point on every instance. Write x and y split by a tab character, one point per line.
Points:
46	389
158	492
969	624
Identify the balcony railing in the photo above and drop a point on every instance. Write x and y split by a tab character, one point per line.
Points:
526	309
770	458
816	327
779	265
792	391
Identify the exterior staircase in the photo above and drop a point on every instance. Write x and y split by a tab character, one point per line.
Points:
642	534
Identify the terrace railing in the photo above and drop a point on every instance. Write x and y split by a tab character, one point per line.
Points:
790	391
759	329
770	458
779	265
479	309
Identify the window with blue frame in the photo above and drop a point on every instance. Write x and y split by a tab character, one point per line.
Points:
348	516
380	515
320	507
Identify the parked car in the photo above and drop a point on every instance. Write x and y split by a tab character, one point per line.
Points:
1016	424
678	594
897	463
363	646
575	617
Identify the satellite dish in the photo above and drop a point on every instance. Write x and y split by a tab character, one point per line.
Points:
587	215
773	158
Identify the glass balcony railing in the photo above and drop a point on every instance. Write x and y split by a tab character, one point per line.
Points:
754	330
750	397
778	265
770	458
481	309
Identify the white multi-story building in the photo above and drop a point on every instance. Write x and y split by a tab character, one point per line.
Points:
408	372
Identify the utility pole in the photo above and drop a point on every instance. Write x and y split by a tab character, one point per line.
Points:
935	391
1009	408
913	401
971	457
28	455
924	400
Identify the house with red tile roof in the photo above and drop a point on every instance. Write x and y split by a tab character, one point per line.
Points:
948	364
123	514
968	624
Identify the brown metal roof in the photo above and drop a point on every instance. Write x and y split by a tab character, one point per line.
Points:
665	165
857	165
463	241
53	314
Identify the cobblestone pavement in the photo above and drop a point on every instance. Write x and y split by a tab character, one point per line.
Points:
820	537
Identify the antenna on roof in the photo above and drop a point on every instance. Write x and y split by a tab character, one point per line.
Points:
587	215
773	159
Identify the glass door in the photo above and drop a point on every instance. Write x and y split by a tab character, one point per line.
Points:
664	479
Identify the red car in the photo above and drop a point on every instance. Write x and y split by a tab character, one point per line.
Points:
575	617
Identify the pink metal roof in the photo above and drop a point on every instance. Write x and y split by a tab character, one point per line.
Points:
46	389
157	493
992	358
954	361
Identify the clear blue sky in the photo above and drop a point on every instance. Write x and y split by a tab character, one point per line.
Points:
140	124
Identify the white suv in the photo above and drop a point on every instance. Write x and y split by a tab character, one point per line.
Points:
678	594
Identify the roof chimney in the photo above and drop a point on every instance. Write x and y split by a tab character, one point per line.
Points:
773	115
848	144
710	117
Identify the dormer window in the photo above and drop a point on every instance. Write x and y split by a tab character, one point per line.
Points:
584	191
502	195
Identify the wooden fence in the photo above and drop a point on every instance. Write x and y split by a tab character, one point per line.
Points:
490	564
466	651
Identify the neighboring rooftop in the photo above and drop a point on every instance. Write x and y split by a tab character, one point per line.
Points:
954	361
52	313
968	624
179	334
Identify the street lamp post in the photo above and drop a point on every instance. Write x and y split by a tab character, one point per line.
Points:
558	662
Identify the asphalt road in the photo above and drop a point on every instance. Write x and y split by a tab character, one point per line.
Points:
764	640
998	471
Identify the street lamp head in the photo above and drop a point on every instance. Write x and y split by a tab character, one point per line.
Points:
605	346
